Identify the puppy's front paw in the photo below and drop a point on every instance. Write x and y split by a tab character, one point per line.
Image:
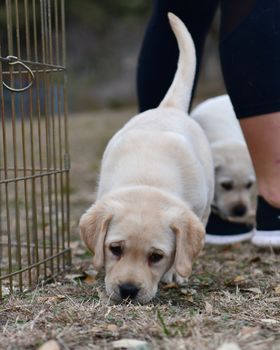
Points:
168	277
179	280
171	276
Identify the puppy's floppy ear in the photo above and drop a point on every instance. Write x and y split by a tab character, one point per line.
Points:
218	162
190	235
93	228
218	159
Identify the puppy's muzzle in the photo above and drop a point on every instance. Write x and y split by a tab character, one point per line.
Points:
128	291
239	210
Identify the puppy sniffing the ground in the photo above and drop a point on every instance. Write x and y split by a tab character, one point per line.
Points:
234	173
154	195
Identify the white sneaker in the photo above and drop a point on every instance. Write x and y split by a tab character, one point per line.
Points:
266	238
221	232
267	231
228	239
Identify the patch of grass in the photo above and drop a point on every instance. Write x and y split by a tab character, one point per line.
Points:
231	294
79	315
162	323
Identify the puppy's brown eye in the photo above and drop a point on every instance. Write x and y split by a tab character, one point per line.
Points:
116	250
249	184
228	186
155	257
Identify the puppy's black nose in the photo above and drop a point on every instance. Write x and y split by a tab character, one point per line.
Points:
128	290
239	210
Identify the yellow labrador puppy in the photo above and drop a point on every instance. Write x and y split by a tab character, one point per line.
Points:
234	173
154	195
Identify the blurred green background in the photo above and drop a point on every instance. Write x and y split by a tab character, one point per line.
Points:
103	42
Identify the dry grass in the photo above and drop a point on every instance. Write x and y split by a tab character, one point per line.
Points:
233	294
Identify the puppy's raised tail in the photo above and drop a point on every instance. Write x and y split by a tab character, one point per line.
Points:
179	93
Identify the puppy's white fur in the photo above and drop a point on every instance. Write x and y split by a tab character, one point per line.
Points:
234	174
155	190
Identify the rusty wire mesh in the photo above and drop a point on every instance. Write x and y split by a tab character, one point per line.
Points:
34	156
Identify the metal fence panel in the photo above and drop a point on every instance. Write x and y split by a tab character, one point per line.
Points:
34	154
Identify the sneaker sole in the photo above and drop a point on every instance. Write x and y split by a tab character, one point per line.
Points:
266	238
227	239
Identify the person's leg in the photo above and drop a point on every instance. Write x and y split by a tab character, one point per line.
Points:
250	57
262	134
159	52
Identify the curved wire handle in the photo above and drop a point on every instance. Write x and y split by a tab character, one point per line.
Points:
13	61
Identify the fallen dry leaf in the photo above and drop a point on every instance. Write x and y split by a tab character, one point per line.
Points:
189	298
89	279
239	279
208	308
188	294
89	276
50	345
253	290
130	344
188	291
247	332
277	289
75	276
112	328
170	286
52	299
269	320
229	346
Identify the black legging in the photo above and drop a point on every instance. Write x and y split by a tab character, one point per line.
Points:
249	51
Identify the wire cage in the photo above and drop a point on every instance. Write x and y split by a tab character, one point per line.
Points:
34	156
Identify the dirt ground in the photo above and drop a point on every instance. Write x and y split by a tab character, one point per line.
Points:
233	295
